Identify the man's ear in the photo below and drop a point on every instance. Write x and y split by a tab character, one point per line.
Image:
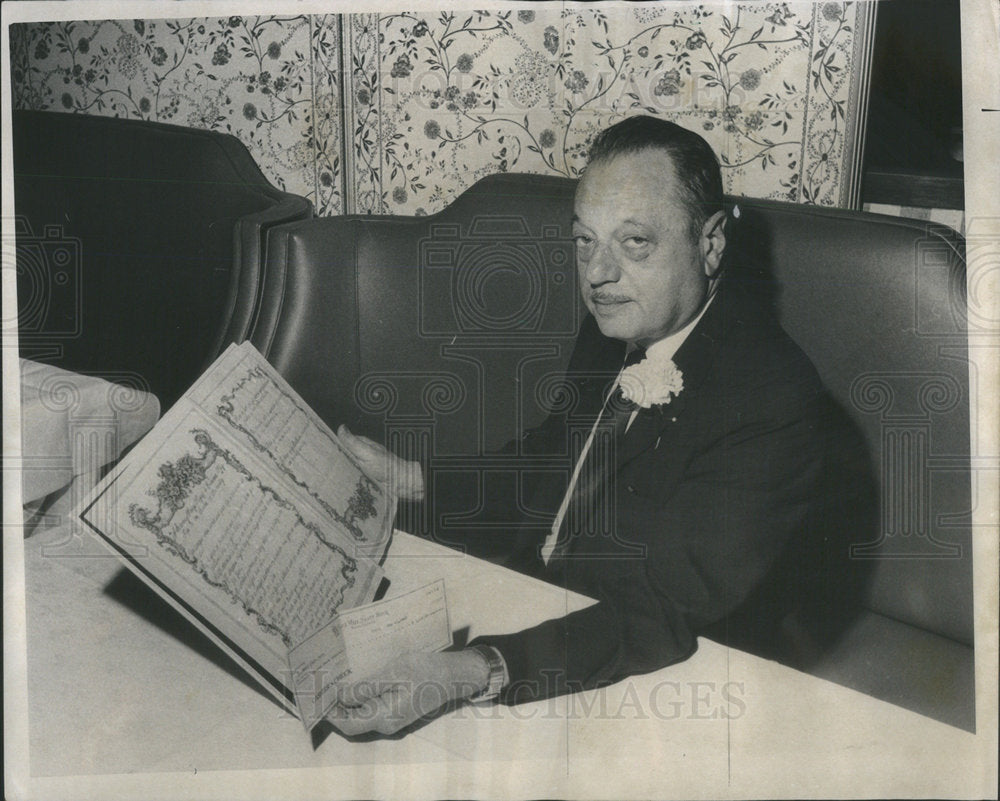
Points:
713	242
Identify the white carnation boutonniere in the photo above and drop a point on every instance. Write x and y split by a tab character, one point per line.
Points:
651	383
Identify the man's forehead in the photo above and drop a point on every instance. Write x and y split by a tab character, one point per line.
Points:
634	185
634	221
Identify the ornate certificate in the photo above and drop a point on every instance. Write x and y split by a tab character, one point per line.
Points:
242	509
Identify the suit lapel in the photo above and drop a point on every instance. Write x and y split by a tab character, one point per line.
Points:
640	435
693	358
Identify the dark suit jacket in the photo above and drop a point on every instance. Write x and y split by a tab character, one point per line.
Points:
708	492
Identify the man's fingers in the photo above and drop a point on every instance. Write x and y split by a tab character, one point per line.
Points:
405	478
362	447
357	693
391	679
411	687
351	721
379	714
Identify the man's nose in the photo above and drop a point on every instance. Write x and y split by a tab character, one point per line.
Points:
602	267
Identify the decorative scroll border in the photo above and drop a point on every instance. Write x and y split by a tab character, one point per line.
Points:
188	471
361	504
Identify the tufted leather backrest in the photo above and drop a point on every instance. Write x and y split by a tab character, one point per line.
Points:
442	334
138	245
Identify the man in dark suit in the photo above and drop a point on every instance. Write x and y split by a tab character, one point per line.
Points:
703	464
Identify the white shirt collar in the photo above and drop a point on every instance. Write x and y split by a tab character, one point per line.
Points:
664	349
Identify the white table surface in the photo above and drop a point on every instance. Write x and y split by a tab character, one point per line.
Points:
110	692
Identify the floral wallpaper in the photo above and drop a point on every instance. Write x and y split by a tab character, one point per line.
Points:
274	82
398	113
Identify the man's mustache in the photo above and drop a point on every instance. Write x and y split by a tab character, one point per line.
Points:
608	297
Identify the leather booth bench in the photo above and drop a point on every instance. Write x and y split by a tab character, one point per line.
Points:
133	241
445	336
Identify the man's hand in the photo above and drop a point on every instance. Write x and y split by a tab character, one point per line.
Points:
404	479
412	687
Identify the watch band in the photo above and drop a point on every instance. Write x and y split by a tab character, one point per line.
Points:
498	672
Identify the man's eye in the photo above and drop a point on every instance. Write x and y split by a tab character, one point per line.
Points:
582	239
636	241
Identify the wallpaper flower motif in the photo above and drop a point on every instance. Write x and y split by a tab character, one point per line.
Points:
427	103
271	81
461	95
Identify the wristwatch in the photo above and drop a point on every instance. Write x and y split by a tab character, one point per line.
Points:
498	672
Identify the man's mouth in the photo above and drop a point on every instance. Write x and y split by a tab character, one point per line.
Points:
608	302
